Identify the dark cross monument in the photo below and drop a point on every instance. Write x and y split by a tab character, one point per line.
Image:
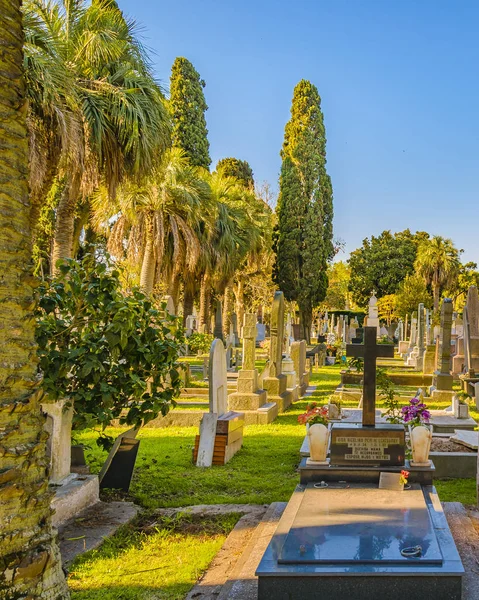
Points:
368	443
369	351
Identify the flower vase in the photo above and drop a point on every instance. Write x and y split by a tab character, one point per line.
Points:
420	437
318	435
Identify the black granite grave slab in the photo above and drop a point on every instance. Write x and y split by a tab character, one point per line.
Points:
355	444
342	526
373	570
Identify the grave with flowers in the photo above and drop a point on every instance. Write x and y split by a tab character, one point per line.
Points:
366	521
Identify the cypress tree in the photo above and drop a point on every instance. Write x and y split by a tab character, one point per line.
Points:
303	236
187	107
234	167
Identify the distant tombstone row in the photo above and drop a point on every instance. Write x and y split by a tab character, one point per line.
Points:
221	428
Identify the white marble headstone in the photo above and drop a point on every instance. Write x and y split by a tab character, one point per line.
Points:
218	379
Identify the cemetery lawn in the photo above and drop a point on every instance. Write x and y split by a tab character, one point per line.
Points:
263	471
152	557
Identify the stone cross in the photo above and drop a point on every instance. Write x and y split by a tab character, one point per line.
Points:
218	379
249	341
277	335
370	351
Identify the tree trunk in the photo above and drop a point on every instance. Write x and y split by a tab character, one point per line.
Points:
30	564
80	223
188	301
205	294
305	320
174	290
39	195
65	218
227	309
239	304
148	266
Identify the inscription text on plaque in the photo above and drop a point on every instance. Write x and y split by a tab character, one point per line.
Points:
355	445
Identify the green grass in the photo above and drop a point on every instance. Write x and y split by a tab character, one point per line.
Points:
263	471
150	559
457	490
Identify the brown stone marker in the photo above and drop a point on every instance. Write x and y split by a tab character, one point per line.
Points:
370	351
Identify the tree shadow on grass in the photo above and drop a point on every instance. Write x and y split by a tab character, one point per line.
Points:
134	592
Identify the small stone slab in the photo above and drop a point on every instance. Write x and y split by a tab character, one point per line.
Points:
470	439
207	440
443	422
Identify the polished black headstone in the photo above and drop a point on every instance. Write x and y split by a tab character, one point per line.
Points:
353	444
117	471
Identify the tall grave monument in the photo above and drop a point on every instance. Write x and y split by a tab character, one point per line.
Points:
249	397
276	384
471	332
442	380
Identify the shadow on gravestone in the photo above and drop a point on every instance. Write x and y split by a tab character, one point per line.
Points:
117	471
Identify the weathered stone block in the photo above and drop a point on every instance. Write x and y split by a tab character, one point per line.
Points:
275	386
240	401
248	381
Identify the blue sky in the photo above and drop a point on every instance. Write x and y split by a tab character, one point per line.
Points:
400	95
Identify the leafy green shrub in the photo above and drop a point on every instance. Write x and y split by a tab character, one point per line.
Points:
200	342
114	355
388	394
356	362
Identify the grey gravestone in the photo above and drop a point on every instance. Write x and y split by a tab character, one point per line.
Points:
234	322
442	377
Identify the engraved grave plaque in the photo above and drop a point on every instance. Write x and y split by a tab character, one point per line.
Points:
352	444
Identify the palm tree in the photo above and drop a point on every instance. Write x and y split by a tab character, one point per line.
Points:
155	223
235	232
117	121
437	261
29	558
